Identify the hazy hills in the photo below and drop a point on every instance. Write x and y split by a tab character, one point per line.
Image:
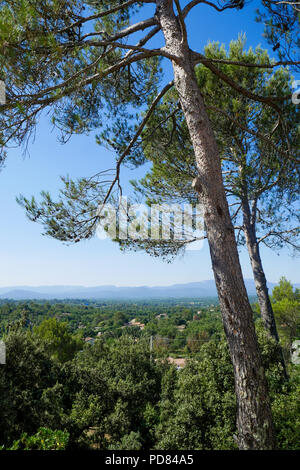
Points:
192	289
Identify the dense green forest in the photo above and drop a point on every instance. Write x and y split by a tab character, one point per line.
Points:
117	392
173	319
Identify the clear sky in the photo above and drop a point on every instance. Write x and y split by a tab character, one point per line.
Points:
28	258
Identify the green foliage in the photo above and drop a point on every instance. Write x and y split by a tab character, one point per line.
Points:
258	153
58	341
284	291
202	413
271	358
121	384
111	396
286	307
48	46
286	413
44	439
28	372
287	313
130	441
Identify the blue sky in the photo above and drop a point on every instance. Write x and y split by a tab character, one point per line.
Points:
28	258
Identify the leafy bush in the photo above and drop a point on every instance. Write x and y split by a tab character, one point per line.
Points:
286	413
44	439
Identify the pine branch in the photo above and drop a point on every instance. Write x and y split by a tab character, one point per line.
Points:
135	138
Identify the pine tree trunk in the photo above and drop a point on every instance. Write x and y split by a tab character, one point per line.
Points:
264	301
254	419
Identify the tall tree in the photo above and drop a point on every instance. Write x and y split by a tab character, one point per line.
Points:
78	58
260	168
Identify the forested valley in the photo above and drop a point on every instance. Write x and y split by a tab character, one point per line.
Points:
105	375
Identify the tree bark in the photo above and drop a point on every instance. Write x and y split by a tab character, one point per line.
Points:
264	301
254	418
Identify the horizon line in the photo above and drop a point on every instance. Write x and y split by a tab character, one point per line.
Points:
118	286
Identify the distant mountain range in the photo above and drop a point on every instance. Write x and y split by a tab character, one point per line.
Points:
192	289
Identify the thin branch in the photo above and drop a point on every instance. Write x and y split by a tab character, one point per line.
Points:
107	40
127	31
145	39
234	215
281	236
181	21
250	65
135	138
253	214
100	15
33	99
194	3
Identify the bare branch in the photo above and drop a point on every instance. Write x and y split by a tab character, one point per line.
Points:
126	31
181	21
281	235
194	3
100	15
